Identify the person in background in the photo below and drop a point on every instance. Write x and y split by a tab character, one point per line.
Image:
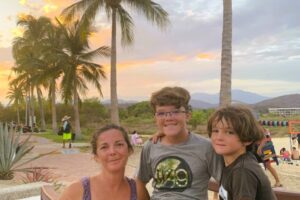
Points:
294	139
267	162
233	131
295	154
136	139
286	155
111	148
67	135
181	163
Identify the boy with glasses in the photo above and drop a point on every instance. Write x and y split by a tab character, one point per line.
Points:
180	163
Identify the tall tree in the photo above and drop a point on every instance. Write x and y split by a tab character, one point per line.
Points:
79	68
34	34
24	57
51	67
16	96
115	11
226	68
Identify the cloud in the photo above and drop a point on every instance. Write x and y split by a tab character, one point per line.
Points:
102	37
207	56
267	87
4	75
23	2
17	32
6	55
49	8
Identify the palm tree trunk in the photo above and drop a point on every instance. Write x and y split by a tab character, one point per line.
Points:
113	73
226	61
18	114
76	115
53	107
32	108
26	110
29	121
42	113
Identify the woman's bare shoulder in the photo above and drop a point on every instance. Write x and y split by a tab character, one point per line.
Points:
73	191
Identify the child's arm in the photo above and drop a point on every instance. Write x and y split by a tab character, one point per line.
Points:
142	192
156	137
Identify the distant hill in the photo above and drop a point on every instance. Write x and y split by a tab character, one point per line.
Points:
122	103
201	104
261	103
286	101
237	96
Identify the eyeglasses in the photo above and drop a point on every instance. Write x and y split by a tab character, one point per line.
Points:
173	113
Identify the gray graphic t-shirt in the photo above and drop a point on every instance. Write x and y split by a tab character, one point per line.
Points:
180	171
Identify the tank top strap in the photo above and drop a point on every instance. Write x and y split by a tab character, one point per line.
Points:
132	184
86	188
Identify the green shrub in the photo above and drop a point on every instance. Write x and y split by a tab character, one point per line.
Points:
12	150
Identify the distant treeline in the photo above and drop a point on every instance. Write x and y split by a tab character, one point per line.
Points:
93	111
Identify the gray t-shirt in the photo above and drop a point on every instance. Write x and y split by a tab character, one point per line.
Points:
181	171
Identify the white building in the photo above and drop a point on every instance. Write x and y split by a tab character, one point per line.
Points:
284	111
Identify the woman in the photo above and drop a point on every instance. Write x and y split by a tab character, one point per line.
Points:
66	129
111	149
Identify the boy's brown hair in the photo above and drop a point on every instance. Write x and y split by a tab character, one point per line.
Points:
242	120
171	96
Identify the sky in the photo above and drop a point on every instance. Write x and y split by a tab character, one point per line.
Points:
187	53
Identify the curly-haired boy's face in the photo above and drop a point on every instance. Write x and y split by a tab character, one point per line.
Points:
226	142
172	121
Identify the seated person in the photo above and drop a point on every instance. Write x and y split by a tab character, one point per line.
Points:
285	155
136	139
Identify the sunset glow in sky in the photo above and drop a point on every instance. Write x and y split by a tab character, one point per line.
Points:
266	47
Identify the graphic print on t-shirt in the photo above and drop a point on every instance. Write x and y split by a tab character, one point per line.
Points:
172	173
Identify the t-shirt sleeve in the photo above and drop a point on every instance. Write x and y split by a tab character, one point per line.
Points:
244	184
215	163
144	170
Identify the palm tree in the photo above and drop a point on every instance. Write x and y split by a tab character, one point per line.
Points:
16	96
79	69
51	67
114	10
33	36
225	90
24	58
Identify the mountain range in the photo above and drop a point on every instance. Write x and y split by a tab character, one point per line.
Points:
204	100
258	102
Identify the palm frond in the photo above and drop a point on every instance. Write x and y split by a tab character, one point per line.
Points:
101	51
151	10
126	23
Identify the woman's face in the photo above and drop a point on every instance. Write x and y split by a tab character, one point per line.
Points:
112	150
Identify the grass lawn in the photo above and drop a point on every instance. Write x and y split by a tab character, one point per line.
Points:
58	138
